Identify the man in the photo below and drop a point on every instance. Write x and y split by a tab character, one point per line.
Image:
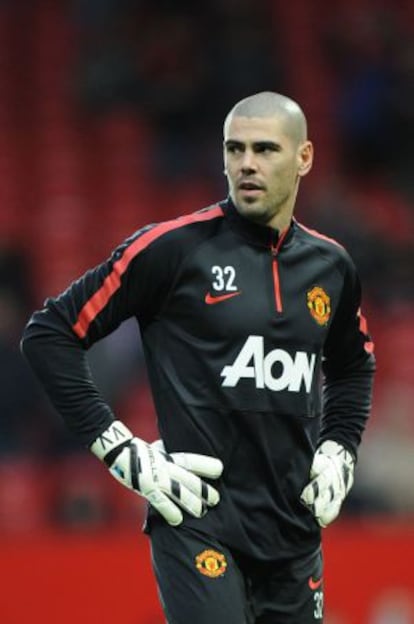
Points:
242	310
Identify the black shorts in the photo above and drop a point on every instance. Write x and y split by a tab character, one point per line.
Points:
200	580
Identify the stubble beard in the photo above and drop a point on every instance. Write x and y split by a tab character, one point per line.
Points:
259	211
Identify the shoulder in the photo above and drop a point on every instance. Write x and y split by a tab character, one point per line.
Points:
328	247
191	227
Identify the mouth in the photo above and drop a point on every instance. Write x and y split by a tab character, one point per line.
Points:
250	188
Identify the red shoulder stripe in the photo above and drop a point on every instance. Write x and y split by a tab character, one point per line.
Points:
363	327
319	235
112	282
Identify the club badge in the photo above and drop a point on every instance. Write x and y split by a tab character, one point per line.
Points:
319	305
211	563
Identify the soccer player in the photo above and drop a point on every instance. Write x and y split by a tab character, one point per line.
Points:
243	313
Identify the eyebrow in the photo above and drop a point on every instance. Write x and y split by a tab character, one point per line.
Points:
272	145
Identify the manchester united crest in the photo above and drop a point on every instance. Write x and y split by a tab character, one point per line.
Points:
319	305
211	563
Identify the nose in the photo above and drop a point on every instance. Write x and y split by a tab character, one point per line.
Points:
248	164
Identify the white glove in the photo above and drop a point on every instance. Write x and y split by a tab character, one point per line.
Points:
165	480
332	476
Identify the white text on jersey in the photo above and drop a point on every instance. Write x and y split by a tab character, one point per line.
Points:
252	363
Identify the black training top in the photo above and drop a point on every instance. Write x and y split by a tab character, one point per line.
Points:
256	351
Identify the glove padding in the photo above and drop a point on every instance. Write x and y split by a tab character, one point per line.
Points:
332	476
167	481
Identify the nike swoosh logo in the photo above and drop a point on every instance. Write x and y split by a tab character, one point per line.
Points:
211	300
314	584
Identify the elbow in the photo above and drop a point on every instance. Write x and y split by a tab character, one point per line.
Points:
27	342
32	341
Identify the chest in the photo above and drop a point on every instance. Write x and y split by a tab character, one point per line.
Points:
230	291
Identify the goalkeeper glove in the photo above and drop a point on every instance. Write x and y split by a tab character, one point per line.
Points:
167	481
332	476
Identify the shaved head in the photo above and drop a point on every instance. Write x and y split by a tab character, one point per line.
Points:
268	104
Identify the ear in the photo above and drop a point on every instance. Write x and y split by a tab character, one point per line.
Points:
224	159
305	158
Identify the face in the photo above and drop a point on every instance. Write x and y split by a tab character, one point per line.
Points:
263	166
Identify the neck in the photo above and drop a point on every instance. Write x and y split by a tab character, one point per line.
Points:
282	219
280	222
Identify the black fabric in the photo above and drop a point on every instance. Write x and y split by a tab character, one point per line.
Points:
233	589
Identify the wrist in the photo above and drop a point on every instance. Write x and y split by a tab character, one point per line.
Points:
111	441
333	446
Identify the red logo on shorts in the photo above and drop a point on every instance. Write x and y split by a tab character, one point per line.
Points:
211	563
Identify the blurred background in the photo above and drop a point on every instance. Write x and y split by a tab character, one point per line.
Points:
111	117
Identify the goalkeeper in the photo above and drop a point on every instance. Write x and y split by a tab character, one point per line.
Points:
242	312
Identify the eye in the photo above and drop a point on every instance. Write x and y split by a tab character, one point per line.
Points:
267	148
233	149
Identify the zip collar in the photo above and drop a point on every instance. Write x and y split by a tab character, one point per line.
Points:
254	233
